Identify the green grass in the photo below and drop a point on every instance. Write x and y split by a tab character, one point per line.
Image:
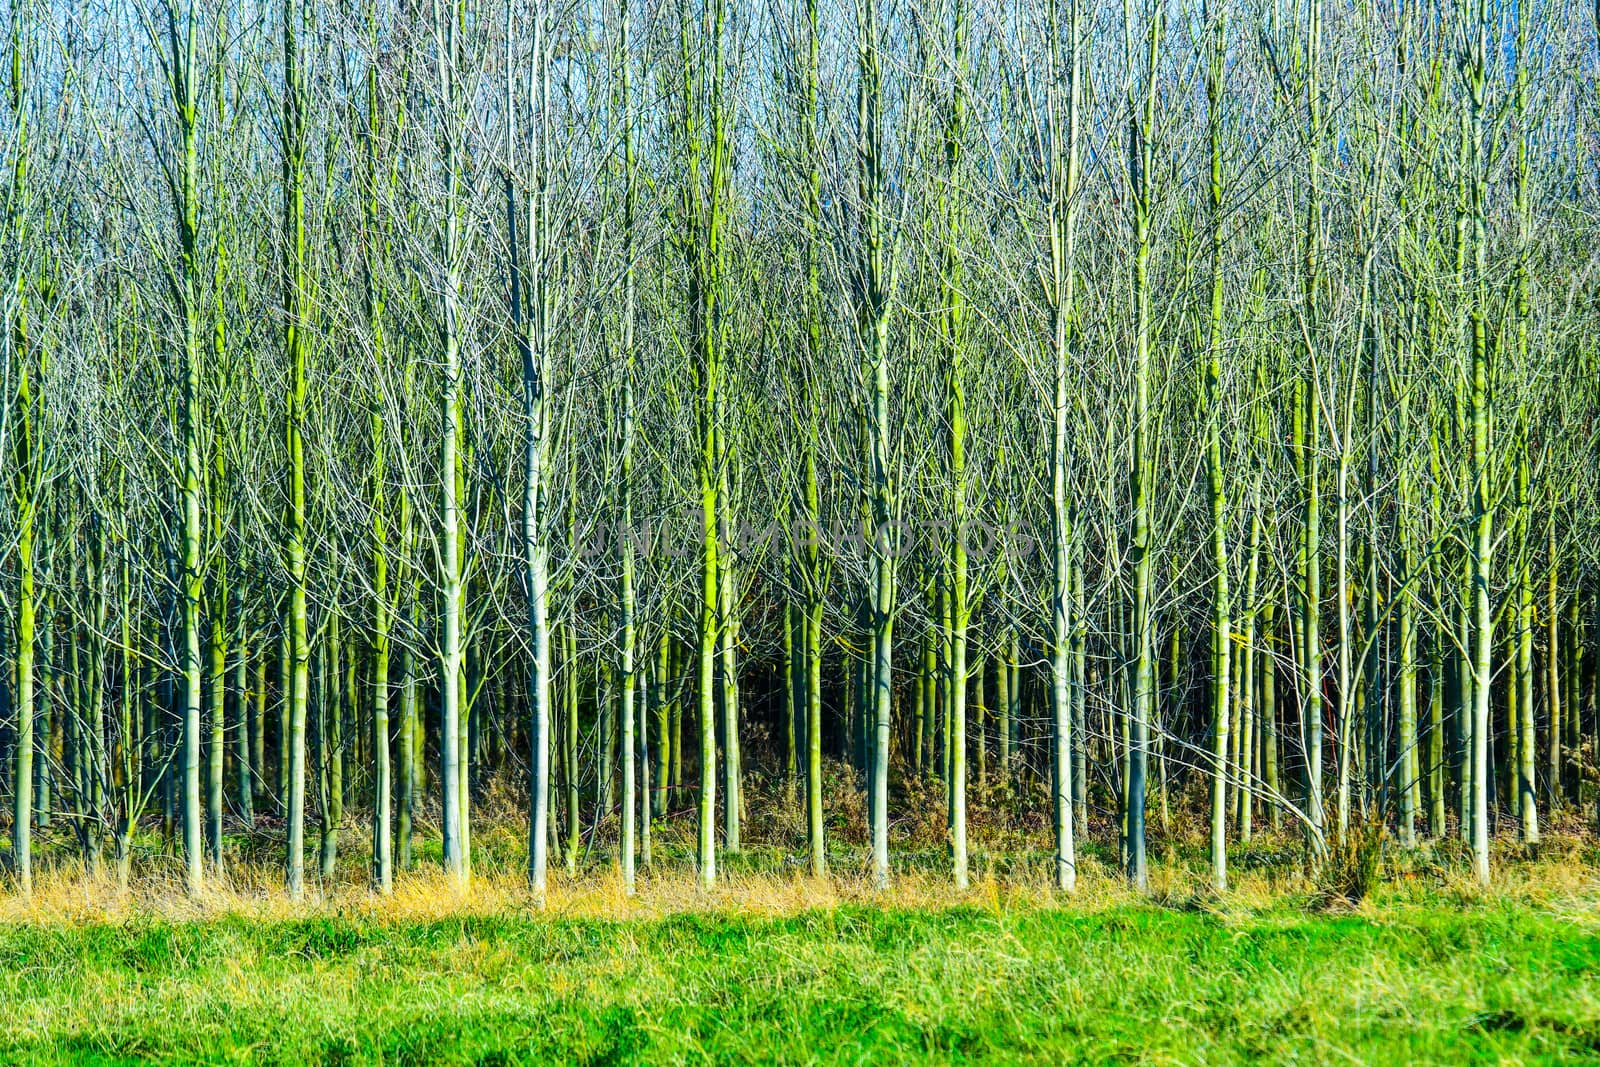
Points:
1399	983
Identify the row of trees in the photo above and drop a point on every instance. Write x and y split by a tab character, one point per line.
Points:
1144	400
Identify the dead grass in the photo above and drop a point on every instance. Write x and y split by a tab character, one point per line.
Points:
1561	876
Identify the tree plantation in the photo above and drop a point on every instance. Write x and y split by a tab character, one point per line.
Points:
701	428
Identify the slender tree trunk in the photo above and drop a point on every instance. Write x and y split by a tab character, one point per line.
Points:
452	760
1222	619
1141	111
297	691
1066	75
242	763
24	485
874	299
1483	489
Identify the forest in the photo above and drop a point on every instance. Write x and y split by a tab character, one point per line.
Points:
953	444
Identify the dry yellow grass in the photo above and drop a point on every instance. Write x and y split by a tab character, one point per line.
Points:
1561	876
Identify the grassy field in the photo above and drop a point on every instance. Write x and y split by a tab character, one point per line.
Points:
779	969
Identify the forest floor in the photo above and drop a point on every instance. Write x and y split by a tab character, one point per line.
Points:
774	967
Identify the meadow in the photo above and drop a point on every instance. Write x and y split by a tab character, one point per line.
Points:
774	966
